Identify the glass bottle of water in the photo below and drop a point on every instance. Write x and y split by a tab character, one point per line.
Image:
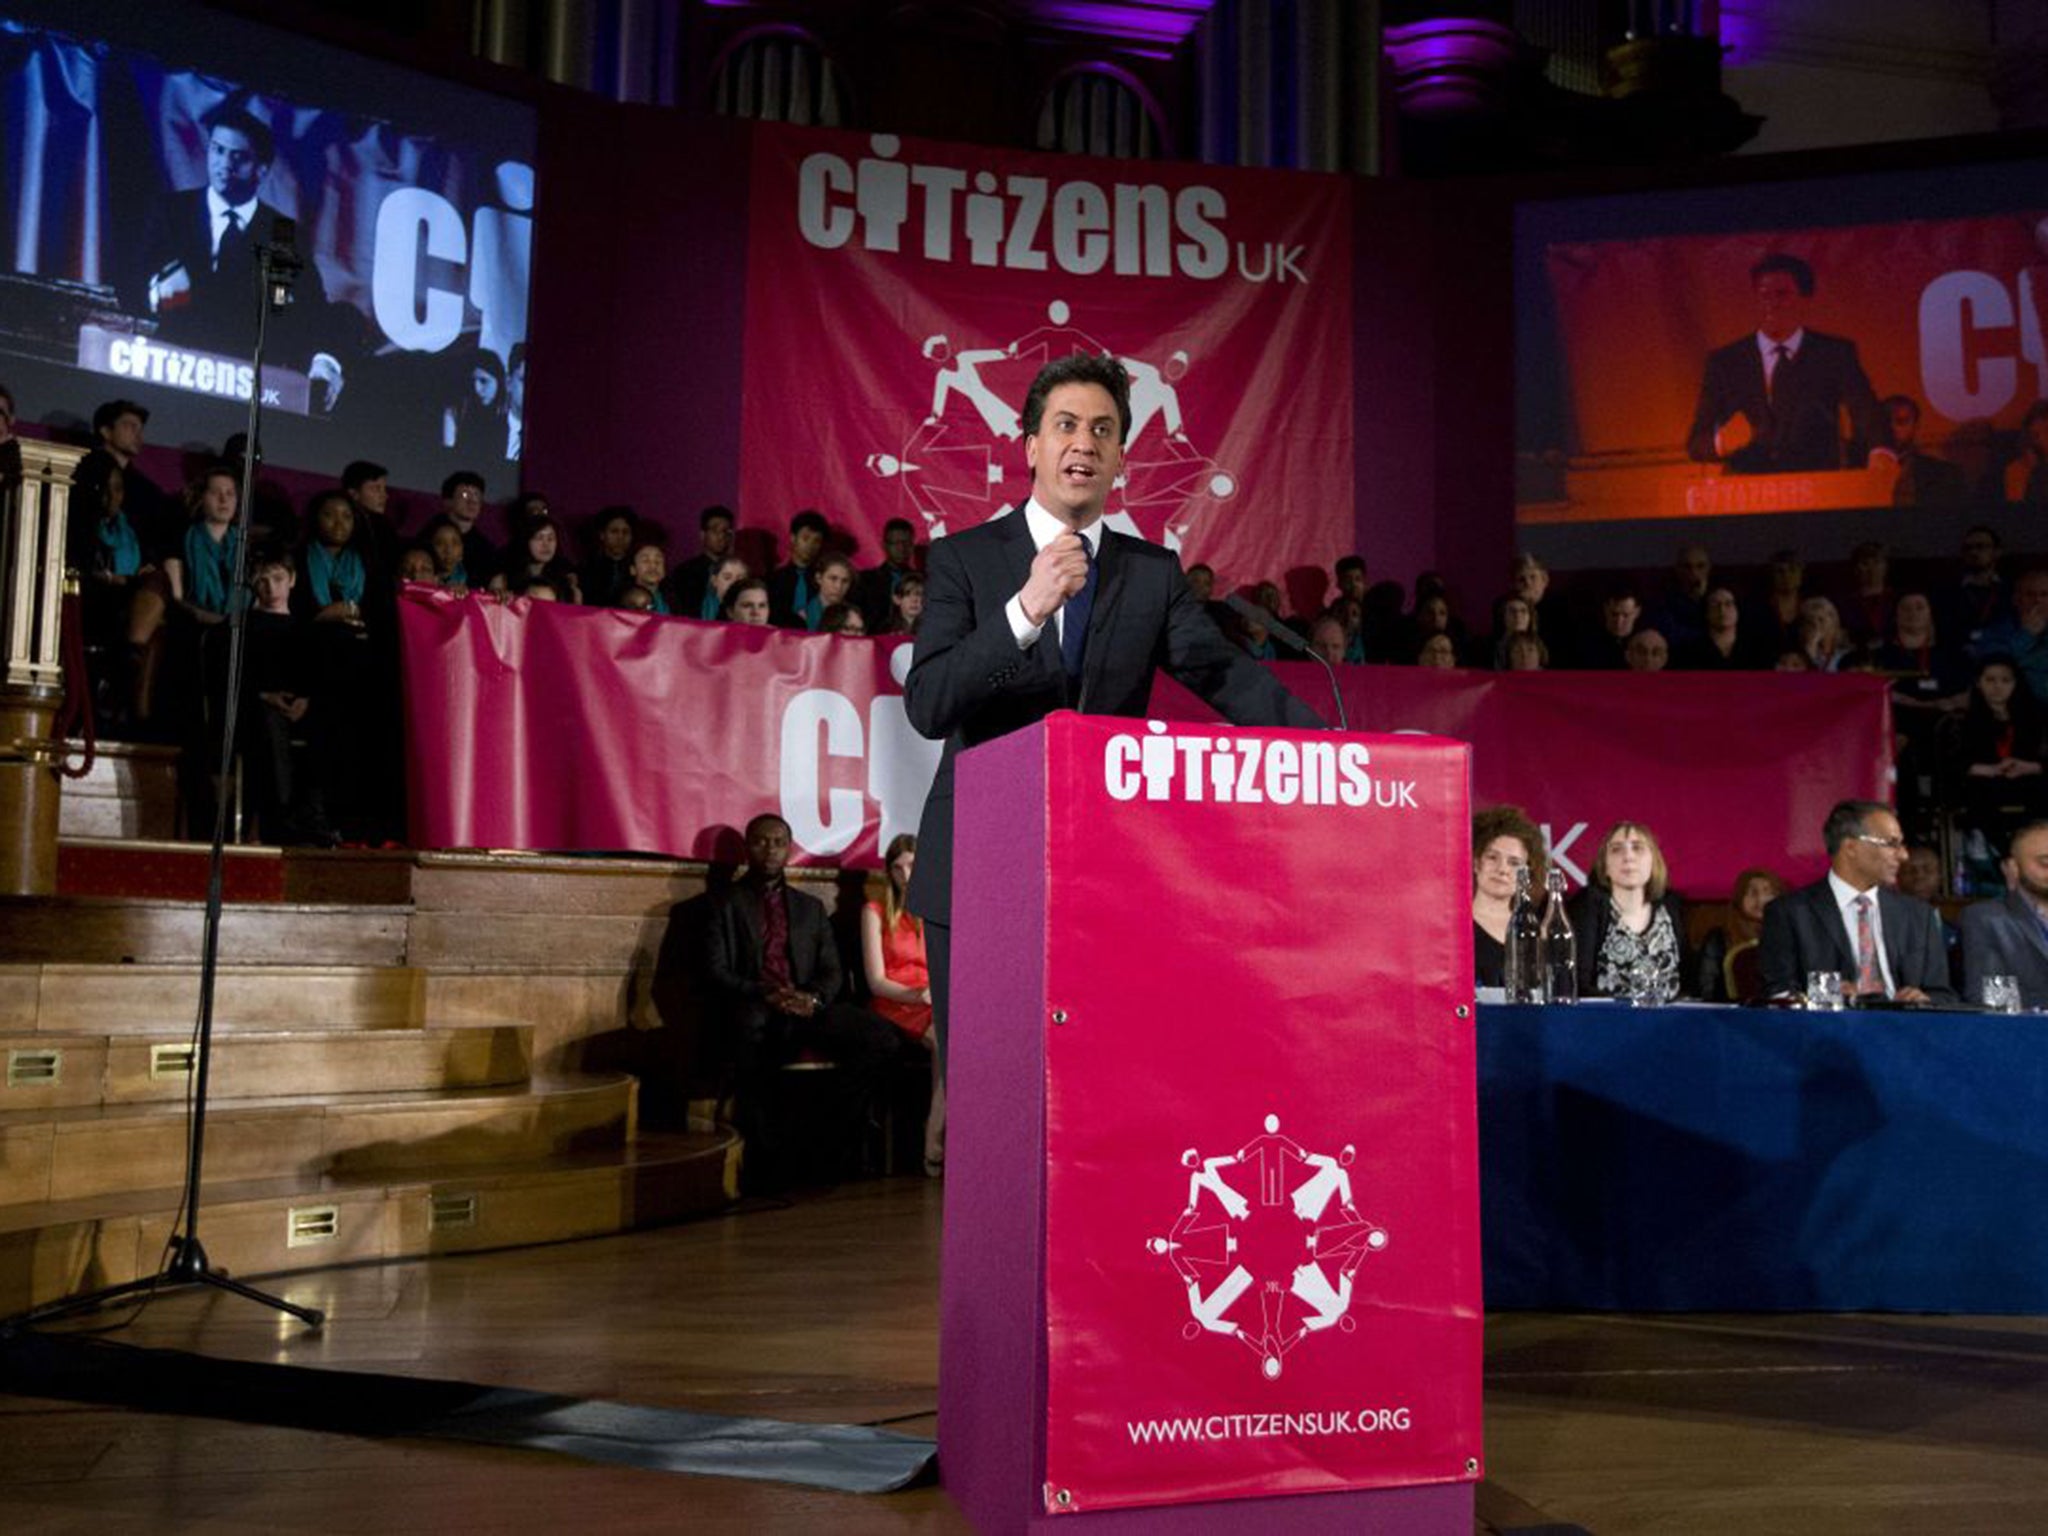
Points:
1523	972
1558	945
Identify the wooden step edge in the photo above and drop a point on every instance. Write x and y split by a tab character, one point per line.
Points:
553	1087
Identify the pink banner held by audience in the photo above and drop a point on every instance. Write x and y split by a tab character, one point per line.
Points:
546	726
902	294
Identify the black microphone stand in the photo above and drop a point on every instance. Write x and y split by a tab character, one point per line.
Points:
1288	637
277	268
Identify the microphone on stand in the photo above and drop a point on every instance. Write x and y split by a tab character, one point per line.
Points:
1288	637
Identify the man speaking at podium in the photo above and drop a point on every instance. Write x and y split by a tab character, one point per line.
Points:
1046	609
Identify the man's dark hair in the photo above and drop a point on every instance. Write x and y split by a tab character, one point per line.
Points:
1988	531
1621	592
238	119
1350	563
1201	565
1080	368
713	512
110	411
898	522
607	515
1800	273
361	472
763	819
272	554
2026	829
458	480
811	519
1846	821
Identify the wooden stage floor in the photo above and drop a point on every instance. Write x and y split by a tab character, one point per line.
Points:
826	1310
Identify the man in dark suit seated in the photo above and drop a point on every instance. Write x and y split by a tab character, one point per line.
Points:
198	263
1772	402
1045	609
2010	937
1855	923
772	962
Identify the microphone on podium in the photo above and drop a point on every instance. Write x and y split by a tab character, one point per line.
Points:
1271	624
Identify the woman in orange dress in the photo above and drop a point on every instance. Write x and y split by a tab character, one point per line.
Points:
892	952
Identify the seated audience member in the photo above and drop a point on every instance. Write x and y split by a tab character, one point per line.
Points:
2022	635
444	542
1529	579
775	971
1431	615
159	518
1351	578
1512	616
1722	645
746	602
2026	477
792	591
1867	607
1620	612
2009	936
1782	600
1821	639
1854	922
650	573
1249	631
1629	923
843	619
730	570
1920	878
1727	969
906	607
1681	612
368	488
636	599
1977	600
1504	840
2000	750
337	579
416	566
1924	480
1383	628
690	585
202	572
1269	597
1928	686
878	586
1647	651
609	571
899	980
282	702
1326	639
124	597
1350	612
832	579
1528	653
1437	651
537	556
1202	582
462	503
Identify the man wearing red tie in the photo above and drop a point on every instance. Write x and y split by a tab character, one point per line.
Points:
1855	922
1045	609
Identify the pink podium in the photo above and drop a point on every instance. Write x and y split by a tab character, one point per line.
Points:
1211	1247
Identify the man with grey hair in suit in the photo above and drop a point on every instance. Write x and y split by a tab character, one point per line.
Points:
2010	937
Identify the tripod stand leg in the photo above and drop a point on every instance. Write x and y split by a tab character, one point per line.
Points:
312	1317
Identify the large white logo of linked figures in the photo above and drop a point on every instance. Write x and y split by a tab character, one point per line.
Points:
1268	1244
952	464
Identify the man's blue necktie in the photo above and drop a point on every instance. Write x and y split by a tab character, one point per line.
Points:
1074	627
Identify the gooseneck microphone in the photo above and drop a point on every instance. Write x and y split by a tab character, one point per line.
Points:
1288	637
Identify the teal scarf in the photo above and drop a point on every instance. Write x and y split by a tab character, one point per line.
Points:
334	578
210	567
123	551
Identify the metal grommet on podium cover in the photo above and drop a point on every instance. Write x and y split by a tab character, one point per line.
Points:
1059	1015
1471	1464
1464	1011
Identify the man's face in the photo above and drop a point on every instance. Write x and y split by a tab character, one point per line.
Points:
232	168
273	584
1980	553
1780	307
1619	614
752	607
718	538
464	507
1351	583
1648	652
1531	582
1876	857
1871	570
1693	568
767	849
1202	582
898	544
1076	453
374	495
1722	610
650	566
123	436
616	539
1903	422
1787	575
217	501
2028	866
1920	875
1327	640
2030	602
804	545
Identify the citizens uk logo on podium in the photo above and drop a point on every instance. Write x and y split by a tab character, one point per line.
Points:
1268	1244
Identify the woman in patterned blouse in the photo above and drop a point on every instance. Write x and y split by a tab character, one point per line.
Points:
1630	927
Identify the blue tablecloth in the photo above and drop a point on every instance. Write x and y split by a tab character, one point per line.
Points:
1704	1159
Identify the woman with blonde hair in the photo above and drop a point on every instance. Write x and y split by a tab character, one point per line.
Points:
1630	927
899	979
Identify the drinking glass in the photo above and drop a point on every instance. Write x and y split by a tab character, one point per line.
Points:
1824	991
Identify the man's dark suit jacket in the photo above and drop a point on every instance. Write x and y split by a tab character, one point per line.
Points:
969	682
1803	932
1798	423
687	583
2004	938
219	314
733	958
782	595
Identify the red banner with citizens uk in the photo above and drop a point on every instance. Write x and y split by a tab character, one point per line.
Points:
903	293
